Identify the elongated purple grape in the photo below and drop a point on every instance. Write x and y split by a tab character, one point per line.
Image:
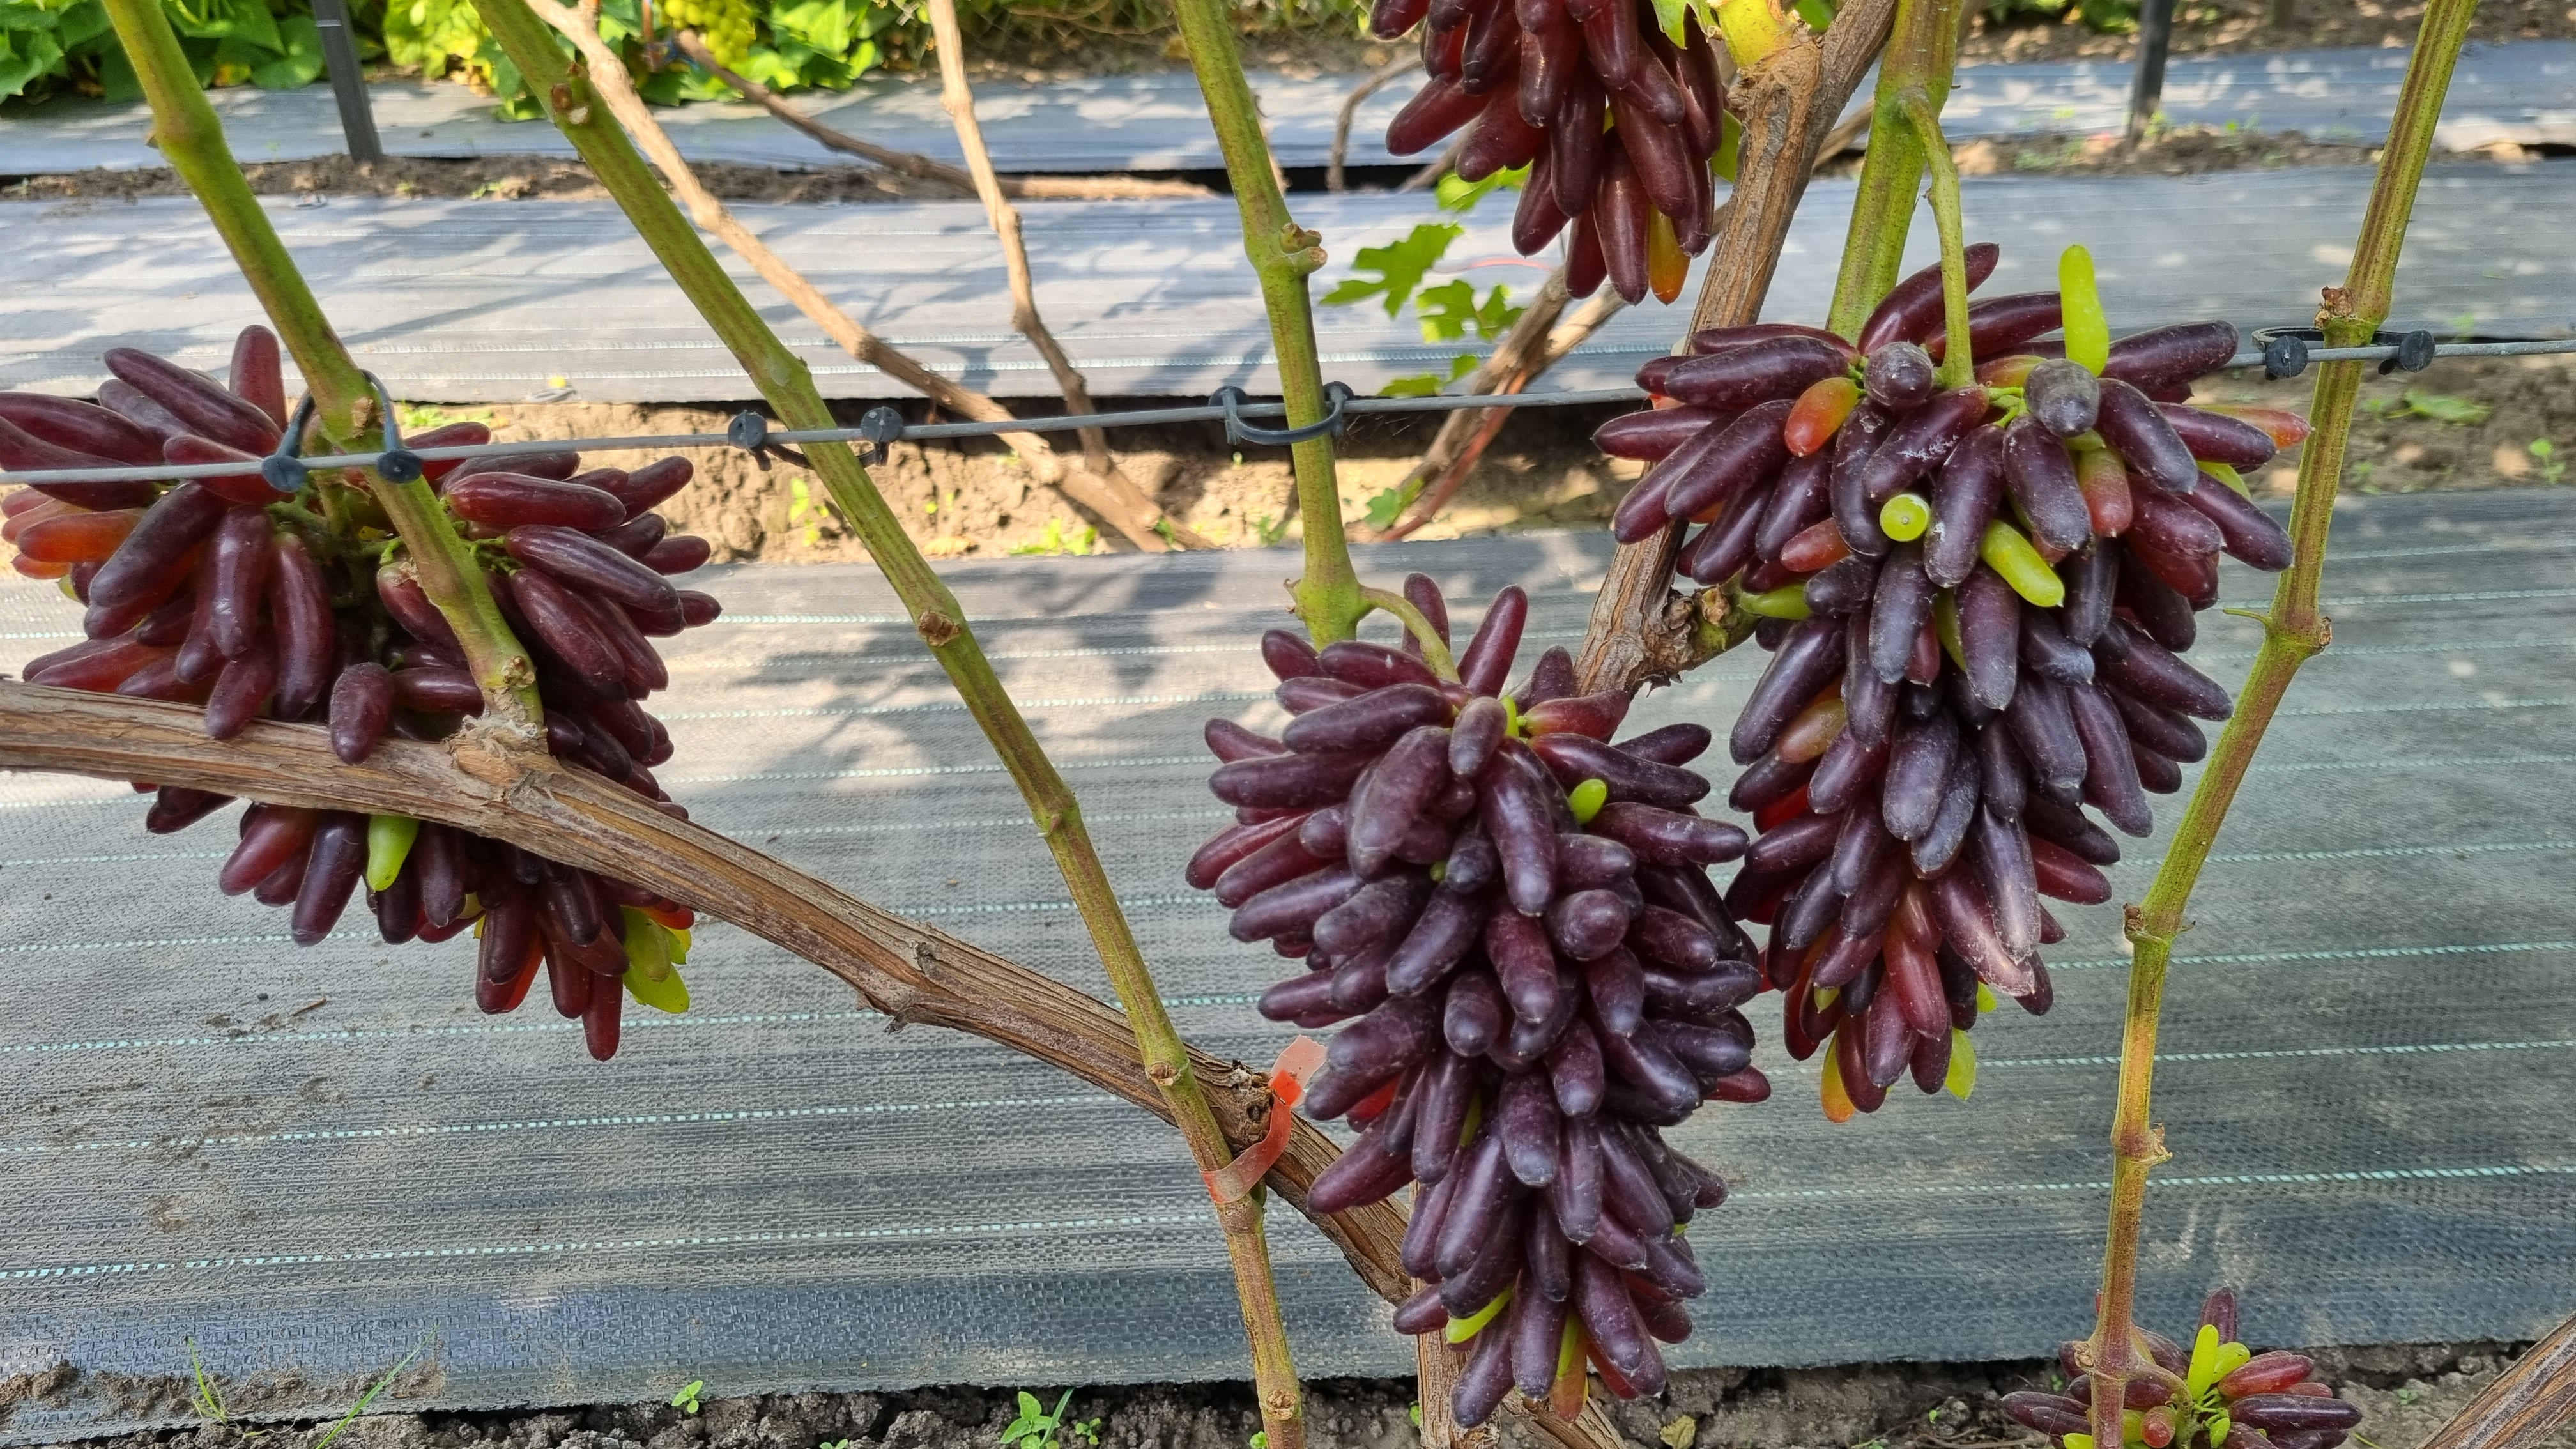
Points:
1968	924
557	620
1523	831
1440	937
1372	666
1847	768
1293	908
1487	659
237	565
2092	576
1576	758
1472	1014
1725	548
2252	536
2167	732
1936	847
1381	911
139	572
1800	500
1842	587
1368	722
1526	1117
336	859
1919	441
1917	768
1990	615
2044	727
362	704
2111	774
1904	601
2045	648
1524	964
2144	438
1912	308
1287	782
1745	451
195	399
1615	985
584	563
1272	852
1666	1086
2171	356
1610	1321
2218	438
1364	1054
1969	490
2042	480
1847	479
1806	662
1447	1090
1672	744
1394	793
1773	369
2129	661
2011	881
299	610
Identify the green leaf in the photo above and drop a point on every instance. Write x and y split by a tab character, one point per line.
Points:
301	62
1817	13
27	56
1462	196
2444	408
1668	18
1422	385
1385	507
1400	266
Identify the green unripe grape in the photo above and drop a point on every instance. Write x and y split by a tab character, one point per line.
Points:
1462	1329
2088	331
389	839
1786	602
1586	800
1962	1076
1905	517
2010	554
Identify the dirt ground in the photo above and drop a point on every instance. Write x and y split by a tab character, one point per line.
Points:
2473	423
2405	1393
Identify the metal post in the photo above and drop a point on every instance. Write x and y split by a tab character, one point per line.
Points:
348	86
2147	89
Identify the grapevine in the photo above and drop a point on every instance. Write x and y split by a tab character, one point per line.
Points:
224	592
1977	600
1514	916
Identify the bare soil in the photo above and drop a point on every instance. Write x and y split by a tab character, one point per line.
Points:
493	178
977	499
2405	1392
2237	27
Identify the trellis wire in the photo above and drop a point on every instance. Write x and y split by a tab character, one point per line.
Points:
1133	418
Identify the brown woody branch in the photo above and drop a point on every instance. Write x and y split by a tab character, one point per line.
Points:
2526	1404
1641	630
1137	516
608	74
925	168
1336	178
915	974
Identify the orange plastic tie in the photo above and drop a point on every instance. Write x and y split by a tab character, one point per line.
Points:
1236	1180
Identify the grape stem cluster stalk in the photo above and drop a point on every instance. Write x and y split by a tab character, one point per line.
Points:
345	408
788	385
2294	631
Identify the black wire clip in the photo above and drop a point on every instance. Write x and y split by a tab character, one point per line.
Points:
749	431
2285	349
284	469
1238	431
879	426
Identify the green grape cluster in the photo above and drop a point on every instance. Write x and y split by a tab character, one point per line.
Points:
727	25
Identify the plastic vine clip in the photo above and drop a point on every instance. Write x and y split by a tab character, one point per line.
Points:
396	463
1238	431
1237	1179
284	469
2285	349
749	431
879	426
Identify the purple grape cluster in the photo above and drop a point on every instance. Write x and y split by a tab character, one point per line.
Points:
1514	916
1616	121
1977	601
219	591
2217	1392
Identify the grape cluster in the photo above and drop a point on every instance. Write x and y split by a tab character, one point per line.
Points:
1616	121
2228	1395
1977	602
1515	917
222	592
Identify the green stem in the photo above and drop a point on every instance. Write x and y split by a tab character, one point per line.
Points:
1283	255
1958	368
186	131
784	380
1435	650
2293	632
1920	56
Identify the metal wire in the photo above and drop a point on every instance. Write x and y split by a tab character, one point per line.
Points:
1134	418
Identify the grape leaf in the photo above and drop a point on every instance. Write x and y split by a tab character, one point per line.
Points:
1462	196
1400	266
2443	408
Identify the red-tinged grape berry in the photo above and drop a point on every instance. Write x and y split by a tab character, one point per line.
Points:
2217	1391
223	593
1977	602
1509	916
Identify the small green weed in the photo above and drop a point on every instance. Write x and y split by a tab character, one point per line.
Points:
1037	1428
2442	407
209	1398
809	515
1055	542
1265	529
420	417
686	1400
2552	467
